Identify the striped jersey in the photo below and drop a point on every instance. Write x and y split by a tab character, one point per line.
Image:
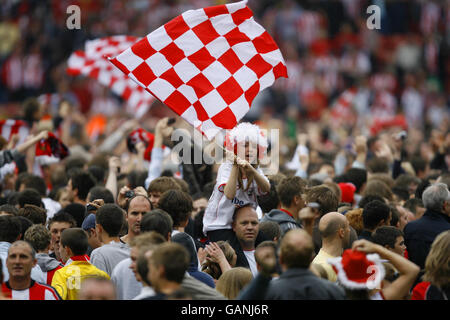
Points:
36	291
49	274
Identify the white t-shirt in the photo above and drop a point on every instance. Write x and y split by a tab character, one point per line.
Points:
250	255
220	210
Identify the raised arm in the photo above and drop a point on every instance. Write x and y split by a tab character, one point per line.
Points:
162	130
230	187
111	182
398	289
31	141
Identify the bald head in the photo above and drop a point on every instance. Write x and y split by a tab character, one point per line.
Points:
330	224
297	249
246	226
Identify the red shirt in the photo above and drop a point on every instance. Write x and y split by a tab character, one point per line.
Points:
36	291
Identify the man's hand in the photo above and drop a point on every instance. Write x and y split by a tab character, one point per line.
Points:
214	253
360	145
384	151
140	191
266	260
121	199
97	203
163	129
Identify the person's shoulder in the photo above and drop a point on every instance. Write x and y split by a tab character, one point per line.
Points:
99	272
122	265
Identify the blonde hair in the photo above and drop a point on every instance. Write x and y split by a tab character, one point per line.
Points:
232	281
437	264
355	219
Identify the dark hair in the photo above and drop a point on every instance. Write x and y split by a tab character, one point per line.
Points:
418	164
83	182
174	258
37	215
36	183
369	198
30	107
136	178
29	196
13	198
76	239
97	172
378	165
198	225
358	294
410	204
111	217
25	223
9	229
62	216
157	220
325	197
395	215
74	163
386	235
374	212
177	204
270	229
401	193
9	209
356	176
290	187
421	188
270	200
99	192
77	211
142	265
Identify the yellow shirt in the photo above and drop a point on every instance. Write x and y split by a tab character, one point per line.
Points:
67	280
321	259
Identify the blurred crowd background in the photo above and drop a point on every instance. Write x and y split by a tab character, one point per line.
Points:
400	74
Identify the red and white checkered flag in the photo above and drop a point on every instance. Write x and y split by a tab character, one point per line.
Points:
207	65
93	63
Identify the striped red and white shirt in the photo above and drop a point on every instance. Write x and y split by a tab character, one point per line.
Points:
49	274
37	291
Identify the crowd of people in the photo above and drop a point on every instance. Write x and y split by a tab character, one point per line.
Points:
359	207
